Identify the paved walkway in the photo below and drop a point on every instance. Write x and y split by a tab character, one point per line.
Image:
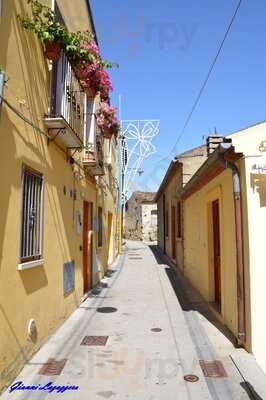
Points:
156	336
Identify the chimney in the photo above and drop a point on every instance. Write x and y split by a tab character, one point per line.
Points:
213	141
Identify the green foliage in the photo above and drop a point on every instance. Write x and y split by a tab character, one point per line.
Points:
43	23
89	146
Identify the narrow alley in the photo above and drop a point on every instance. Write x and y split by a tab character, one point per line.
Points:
137	335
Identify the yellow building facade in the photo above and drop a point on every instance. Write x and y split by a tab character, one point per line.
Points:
223	244
57	208
211	218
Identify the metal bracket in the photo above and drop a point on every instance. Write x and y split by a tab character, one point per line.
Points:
60	130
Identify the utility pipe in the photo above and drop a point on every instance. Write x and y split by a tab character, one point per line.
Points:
2	84
241	336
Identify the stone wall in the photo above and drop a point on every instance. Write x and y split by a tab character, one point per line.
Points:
149	222
138	222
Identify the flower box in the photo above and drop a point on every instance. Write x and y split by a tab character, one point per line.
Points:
89	158
52	50
107	132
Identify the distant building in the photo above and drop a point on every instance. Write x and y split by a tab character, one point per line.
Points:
141	217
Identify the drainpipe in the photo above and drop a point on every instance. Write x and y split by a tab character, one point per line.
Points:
241	337
2	84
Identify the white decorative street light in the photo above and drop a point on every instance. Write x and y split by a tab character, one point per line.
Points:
136	145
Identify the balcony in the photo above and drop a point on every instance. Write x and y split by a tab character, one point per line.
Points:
65	122
93	161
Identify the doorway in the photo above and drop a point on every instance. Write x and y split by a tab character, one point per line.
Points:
173	233
216	253
109	237
87	245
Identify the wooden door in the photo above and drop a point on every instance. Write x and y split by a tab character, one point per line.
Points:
216	252
164	225
173	232
87	246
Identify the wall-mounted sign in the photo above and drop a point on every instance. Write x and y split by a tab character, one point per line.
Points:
259	168
262	147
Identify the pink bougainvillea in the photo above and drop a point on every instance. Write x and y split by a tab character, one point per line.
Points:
97	77
106	118
92	47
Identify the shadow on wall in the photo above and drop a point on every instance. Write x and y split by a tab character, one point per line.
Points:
33	279
189	298
258	184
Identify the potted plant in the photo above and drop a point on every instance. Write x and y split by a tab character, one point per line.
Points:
107	121
44	24
79	47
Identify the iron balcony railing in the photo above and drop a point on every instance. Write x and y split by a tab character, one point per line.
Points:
67	100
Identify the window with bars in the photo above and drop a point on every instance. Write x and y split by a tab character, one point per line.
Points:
100	226
179	219
166	222
32	215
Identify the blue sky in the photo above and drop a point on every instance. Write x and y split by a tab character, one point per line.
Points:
164	50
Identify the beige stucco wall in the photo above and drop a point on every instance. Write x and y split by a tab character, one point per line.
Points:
198	246
38	292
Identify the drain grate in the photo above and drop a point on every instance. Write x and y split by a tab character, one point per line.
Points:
191	378
156	330
94	341
53	367
135	258
213	369
106	309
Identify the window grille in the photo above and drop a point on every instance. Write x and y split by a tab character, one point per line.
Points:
32	215
166	223
179	219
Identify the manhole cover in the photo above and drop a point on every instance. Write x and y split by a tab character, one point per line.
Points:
106	309
213	369
156	330
94	341
191	378
53	367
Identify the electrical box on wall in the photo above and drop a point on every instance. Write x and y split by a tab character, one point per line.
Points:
68	276
78	222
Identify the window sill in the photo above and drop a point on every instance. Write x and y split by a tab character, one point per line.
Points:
30	264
